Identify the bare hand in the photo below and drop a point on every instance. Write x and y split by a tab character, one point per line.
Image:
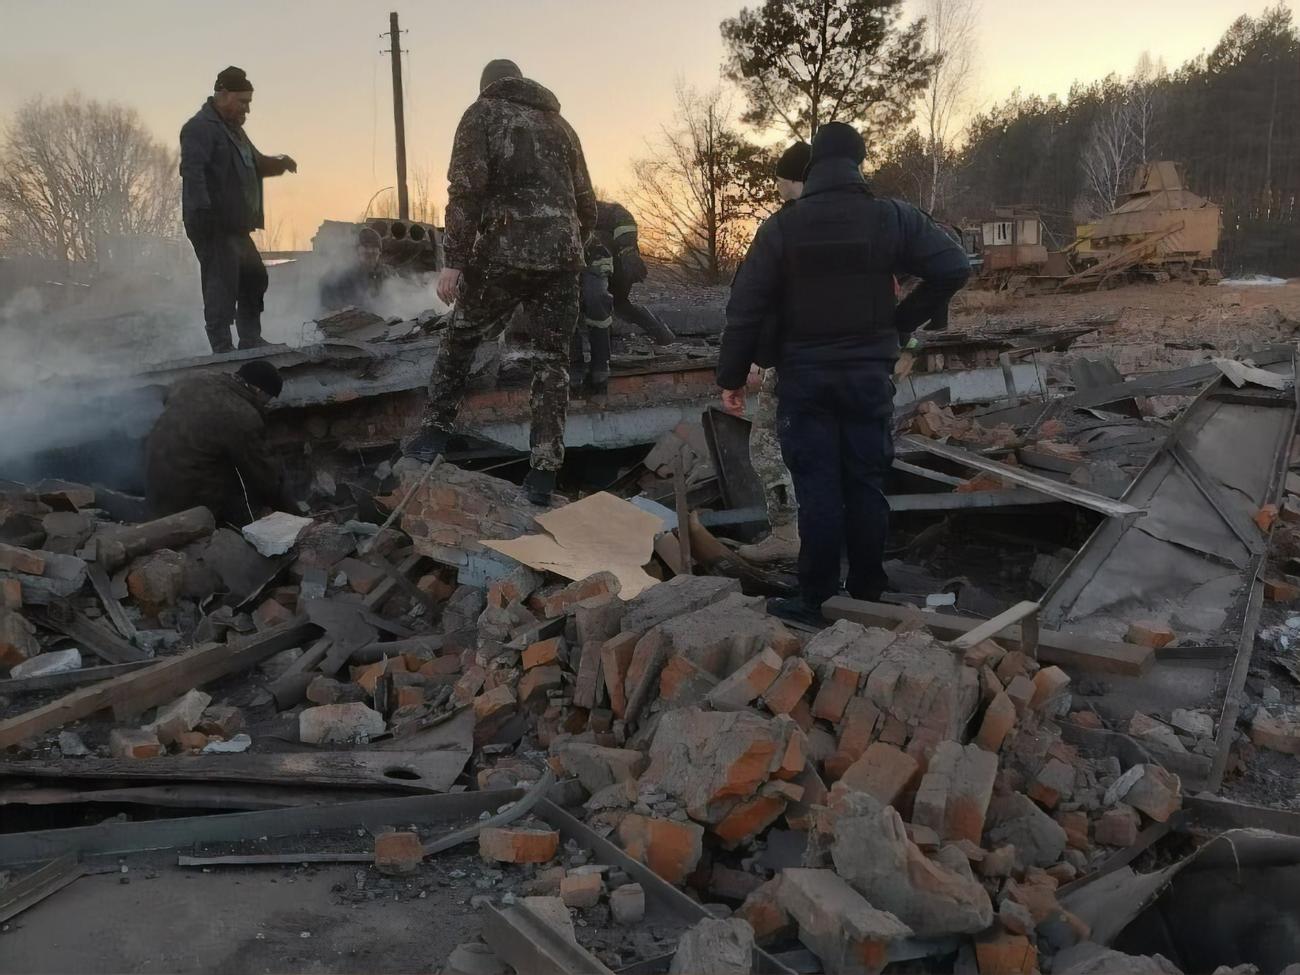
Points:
449	285
290	165
733	401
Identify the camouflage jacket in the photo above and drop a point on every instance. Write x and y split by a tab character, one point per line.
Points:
519	195
210	438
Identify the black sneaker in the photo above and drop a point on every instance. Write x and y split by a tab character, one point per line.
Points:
539	486
426	445
794	609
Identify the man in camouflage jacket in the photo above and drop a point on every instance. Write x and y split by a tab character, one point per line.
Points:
520	206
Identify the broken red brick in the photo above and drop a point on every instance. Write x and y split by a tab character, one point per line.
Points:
222	720
1155	793
1021	691
1277	730
535	684
435	587
1002	953
1265	517
134	743
1118	826
790	686
763	910
883	772
748	819
986	653
1048	683
491	705
1054	782
581	890
598	618
749	681
470	683
795	757
836	922
1086	719
682	682
615	659
858	727
1075	825
1149	634
511	845
398	852
17	639
670	848
560	603
190	741
1281	589
11	594
837	689
999	719
410	696
545	653
587	685
362	576
444	666
15	559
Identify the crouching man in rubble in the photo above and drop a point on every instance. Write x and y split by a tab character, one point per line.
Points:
827	263
358	285
519	207
209	447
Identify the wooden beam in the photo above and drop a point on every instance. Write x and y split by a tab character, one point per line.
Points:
1065	649
996	625
157	684
63	618
1018	475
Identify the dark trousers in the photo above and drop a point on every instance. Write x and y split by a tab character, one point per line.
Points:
234	287
834	426
489	296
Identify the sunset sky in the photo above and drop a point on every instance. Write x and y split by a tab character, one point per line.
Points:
323	89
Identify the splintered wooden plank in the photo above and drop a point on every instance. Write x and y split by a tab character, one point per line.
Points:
156	684
1064	649
996	625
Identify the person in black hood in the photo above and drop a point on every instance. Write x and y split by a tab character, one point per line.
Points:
827	264
221	205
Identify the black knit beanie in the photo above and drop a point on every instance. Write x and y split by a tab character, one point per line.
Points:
836	140
263	375
793	163
232	79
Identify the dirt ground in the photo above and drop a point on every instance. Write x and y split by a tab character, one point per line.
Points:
1157	326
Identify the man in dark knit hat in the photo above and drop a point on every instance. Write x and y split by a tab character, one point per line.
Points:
827	264
209	447
221	205
519	209
357	284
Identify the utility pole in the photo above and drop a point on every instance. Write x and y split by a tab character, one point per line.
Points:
399	116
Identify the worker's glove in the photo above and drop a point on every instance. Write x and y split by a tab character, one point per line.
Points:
597	302
631	266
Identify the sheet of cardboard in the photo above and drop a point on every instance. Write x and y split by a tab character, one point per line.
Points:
600	533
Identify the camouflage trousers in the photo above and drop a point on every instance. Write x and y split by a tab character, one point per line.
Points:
488	299
765	456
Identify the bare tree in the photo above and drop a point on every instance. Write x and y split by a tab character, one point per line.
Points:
1111	152
689	195
950	42
74	171
423	209
1144	98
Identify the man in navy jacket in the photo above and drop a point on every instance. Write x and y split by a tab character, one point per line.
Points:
221	205
826	267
